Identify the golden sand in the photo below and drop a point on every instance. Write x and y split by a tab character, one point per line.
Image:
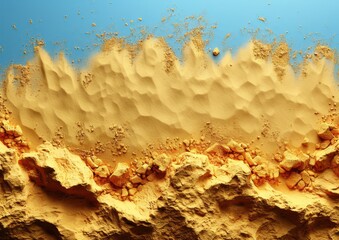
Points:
148	96
172	148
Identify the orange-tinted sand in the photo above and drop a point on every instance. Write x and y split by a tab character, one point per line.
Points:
153	97
194	150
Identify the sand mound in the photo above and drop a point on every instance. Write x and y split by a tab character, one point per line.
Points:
121	103
141	146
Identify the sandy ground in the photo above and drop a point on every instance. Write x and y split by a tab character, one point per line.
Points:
139	145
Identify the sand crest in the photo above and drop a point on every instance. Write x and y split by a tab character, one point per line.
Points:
120	104
139	145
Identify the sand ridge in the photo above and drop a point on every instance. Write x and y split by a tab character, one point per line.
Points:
244	142
119	104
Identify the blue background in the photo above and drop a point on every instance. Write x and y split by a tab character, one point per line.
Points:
67	24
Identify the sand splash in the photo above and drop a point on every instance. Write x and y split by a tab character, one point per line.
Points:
140	145
131	97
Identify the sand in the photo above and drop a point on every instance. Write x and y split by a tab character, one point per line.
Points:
153	97
139	145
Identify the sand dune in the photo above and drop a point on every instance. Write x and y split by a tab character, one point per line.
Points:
152	96
141	145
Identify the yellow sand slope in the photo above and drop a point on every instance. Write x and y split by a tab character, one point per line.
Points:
119	103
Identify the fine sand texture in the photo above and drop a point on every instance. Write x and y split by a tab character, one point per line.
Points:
140	145
127	99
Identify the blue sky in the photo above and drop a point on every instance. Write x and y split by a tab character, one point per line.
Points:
67	24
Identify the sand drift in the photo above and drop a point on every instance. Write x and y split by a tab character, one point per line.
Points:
141	145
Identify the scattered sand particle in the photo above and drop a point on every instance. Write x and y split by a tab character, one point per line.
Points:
22	74
113	43
227	36
326	52
40	42
261	50
281	58
169	56
216	52
262	19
